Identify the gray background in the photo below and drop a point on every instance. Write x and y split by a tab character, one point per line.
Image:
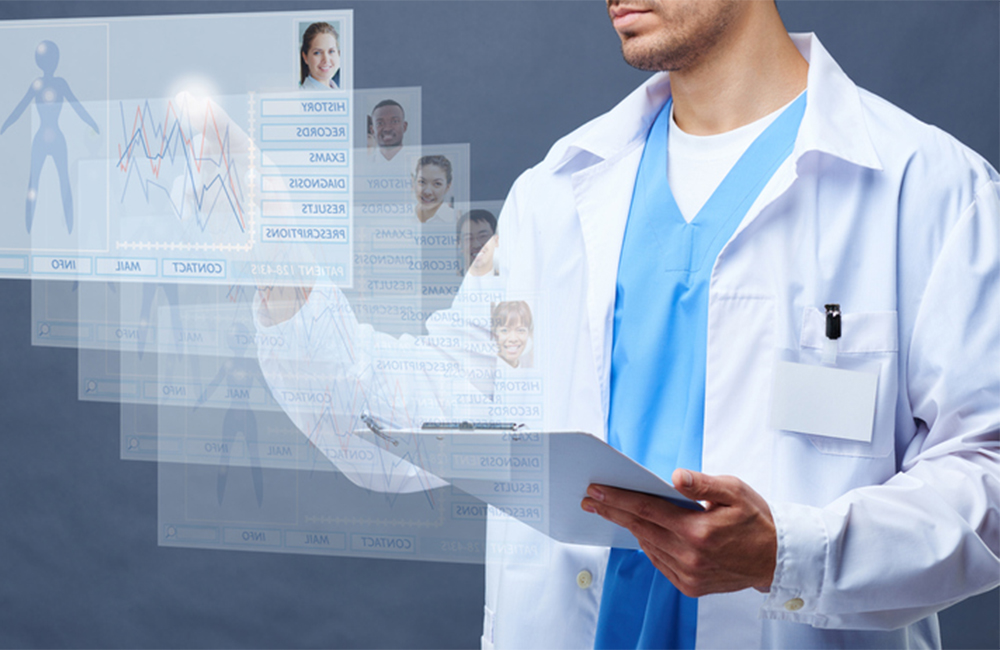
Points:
79	565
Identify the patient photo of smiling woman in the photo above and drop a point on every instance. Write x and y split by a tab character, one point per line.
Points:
512	331
319	57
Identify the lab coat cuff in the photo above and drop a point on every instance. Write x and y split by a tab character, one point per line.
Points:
799	569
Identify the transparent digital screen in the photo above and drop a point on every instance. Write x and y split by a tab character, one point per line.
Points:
135	152
165	219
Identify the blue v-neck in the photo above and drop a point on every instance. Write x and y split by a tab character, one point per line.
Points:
657	404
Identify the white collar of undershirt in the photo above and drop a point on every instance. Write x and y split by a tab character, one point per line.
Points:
698	163
719	145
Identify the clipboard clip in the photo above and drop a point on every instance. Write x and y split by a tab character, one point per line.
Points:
466	425
376	429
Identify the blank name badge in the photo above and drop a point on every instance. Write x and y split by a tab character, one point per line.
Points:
823	401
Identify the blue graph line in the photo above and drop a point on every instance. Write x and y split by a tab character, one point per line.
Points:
174	142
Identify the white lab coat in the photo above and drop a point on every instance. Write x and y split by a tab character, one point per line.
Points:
892	219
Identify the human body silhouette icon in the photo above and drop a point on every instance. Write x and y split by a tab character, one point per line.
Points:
48	92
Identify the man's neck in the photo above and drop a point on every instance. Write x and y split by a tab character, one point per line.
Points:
752	72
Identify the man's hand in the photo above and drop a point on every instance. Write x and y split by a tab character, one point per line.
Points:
279	304
730	546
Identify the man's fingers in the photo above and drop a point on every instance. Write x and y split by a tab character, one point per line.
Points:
643	528
722	490
279	304
729	547
663	562
641	505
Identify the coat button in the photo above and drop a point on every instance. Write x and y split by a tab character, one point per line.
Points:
795	604
583	579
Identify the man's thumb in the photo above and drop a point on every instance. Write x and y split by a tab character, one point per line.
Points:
700	487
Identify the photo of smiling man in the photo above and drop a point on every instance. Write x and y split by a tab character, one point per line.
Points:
388	122
473	230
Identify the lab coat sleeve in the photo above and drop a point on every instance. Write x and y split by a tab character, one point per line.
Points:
885	556
325	369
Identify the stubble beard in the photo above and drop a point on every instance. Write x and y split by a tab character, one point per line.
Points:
682	43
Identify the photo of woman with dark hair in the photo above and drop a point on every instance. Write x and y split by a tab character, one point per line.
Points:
512	329
431	185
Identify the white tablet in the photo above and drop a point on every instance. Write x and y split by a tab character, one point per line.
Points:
540	478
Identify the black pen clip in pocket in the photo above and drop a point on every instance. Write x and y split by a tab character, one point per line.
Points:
856	341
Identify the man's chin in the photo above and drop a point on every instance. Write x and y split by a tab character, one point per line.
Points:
650	59
643	55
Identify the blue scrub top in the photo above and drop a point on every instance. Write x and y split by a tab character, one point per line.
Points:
657	405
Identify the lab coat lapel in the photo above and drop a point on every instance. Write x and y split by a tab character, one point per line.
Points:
608	154
833	124
603	194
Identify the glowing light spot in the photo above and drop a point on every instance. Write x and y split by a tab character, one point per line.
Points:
193	87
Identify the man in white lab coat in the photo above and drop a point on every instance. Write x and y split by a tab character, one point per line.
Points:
814	536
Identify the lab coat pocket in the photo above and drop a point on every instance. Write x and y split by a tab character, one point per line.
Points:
869	344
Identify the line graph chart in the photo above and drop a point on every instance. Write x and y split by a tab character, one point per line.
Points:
184	176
